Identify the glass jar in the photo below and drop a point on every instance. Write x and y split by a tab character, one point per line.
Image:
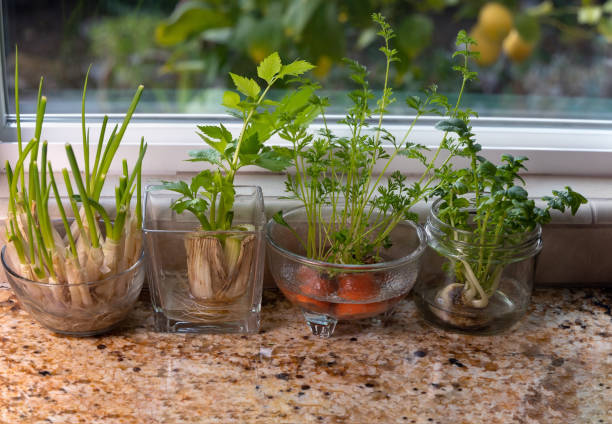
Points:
328	292
468	286
194	288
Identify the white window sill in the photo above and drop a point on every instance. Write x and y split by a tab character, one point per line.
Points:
554	147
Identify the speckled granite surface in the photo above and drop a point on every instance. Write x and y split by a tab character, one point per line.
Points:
556	367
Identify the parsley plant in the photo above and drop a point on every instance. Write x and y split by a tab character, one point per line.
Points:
490	204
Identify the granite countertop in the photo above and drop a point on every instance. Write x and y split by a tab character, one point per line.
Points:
556	367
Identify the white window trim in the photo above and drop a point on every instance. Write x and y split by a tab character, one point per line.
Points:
554	146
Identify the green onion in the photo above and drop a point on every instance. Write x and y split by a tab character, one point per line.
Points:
86	253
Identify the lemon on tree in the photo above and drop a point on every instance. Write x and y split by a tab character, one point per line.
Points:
521	41
489	50
495	21
516	48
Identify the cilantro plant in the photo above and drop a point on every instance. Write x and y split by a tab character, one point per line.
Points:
210	194
494	211
337	173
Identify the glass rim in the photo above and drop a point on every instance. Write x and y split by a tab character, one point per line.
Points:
206	232
416	253
525	236
149	188
7	268
257	195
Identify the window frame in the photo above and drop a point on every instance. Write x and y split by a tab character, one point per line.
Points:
554	146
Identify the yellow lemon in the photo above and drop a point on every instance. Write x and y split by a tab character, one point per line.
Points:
516	48
489	50
495	21
324	64
257	53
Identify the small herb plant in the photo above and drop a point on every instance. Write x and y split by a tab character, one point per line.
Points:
488	202
210	195
219	265
338	172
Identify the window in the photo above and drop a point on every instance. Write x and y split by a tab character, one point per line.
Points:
545	86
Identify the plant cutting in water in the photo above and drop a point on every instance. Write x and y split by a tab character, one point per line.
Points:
350	210
88	251
219	264
486	207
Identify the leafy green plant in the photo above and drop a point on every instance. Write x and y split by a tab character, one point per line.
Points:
337	173
486	207
87	252
210	194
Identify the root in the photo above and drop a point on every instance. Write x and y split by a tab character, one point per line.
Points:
216	273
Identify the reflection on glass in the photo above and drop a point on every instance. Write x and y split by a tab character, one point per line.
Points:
537	59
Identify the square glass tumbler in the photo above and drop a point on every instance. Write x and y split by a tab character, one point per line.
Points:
205	281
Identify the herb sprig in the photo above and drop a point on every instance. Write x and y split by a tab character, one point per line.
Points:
338	173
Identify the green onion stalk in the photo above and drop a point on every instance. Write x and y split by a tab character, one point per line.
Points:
95	245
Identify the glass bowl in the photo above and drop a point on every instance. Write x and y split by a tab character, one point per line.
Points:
328	292
84	309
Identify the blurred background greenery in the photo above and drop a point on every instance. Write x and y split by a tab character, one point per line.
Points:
537	58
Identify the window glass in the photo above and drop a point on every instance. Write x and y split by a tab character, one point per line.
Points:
538	59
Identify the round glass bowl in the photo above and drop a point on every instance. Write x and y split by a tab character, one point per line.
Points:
475	287
84	309
328	292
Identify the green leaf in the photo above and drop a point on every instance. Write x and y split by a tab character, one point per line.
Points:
176	186
460	187
203	180
216	132
567	198
246	86
487	169
273	161
206	155
212	132
296	101
188	19
251	144
414	151
295	68
269	67
231	100
196	206
278	218
517	193
414	102
454	125
461	202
